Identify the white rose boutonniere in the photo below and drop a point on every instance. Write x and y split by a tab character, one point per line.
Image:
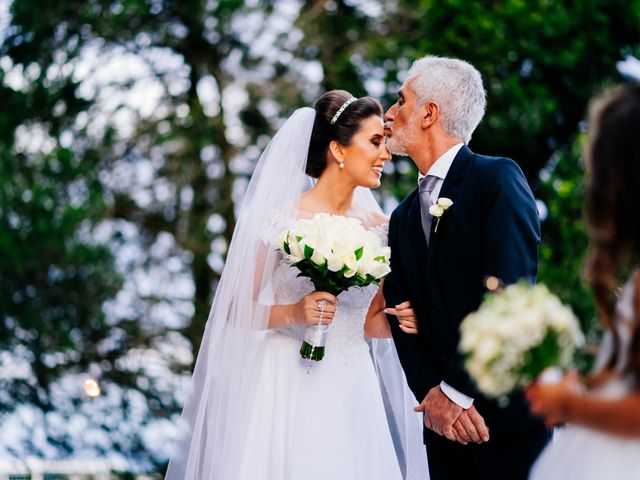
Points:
437	209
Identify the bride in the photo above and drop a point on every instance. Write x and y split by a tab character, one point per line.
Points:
255	410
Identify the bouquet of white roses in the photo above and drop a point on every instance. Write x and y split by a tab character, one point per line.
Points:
515	335
335	253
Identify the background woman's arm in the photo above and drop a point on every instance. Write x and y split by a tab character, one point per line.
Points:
563	402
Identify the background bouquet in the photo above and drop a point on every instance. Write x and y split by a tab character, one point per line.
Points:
515	335
335	253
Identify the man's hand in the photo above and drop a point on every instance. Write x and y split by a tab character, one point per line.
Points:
470	427
440	413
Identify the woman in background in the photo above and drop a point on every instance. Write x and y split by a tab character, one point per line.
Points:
602	439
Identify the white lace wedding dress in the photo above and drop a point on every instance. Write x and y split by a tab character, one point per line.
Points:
326	422
580	453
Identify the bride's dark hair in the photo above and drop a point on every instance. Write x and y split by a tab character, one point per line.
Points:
612	157
342	131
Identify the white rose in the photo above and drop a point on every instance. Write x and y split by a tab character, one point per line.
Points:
334	263
445	202
366	266
382	271
436	210
350	273
342	247
318	257
312	239
487	349
349	260
296	249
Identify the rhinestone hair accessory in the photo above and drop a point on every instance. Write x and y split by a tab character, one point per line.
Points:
342	109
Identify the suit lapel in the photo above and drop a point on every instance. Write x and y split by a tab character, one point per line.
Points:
449	190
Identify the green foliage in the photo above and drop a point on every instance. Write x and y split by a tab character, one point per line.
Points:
60	271
546	354
564	242
60	179
324	280
540	62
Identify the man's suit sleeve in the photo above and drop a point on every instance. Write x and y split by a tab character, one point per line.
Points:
510	235
409	347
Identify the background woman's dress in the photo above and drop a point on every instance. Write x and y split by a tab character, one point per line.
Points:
582	453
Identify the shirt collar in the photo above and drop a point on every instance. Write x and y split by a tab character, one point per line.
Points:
441	166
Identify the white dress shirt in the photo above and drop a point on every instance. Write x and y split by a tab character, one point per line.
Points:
440	169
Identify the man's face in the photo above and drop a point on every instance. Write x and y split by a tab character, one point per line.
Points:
401	122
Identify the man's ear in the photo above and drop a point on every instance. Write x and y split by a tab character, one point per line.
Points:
336	151
429	114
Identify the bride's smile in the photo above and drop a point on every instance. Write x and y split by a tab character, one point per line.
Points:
365	156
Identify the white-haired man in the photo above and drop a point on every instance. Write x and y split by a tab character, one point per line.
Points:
439	266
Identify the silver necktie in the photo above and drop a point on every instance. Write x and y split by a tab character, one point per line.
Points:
426	186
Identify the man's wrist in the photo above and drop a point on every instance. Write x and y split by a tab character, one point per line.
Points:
459	398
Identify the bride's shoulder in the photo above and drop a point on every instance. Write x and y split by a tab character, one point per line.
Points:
373	219
275	224
377	224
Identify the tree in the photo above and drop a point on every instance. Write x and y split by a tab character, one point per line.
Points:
142	111
130	130
541	62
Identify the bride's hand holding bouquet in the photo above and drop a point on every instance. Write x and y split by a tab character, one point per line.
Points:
317	307
335	253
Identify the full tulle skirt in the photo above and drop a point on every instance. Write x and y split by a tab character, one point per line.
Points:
323	421
578	453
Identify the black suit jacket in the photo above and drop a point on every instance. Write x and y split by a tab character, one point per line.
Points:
492	228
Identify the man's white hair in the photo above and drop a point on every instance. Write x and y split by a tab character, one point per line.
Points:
456	86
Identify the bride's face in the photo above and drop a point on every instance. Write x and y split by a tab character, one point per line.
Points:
364	158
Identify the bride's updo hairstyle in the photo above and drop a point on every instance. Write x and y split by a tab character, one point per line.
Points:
343	128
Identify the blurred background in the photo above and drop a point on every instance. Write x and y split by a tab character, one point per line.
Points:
129	130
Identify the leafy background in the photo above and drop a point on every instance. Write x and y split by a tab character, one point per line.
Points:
129	130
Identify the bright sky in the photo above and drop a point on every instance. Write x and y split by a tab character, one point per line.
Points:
4	17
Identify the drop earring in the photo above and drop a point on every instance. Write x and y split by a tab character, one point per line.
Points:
341	164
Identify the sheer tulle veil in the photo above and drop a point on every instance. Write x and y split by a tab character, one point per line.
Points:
214	421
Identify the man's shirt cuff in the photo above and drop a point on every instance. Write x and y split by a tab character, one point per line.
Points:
455	396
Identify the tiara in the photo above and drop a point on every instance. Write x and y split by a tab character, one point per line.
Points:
342	109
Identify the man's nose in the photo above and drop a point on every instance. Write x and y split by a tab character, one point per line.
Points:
390	114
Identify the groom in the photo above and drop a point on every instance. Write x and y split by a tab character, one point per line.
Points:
440	266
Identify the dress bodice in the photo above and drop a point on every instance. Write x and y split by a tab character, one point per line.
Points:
622	382
346	332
